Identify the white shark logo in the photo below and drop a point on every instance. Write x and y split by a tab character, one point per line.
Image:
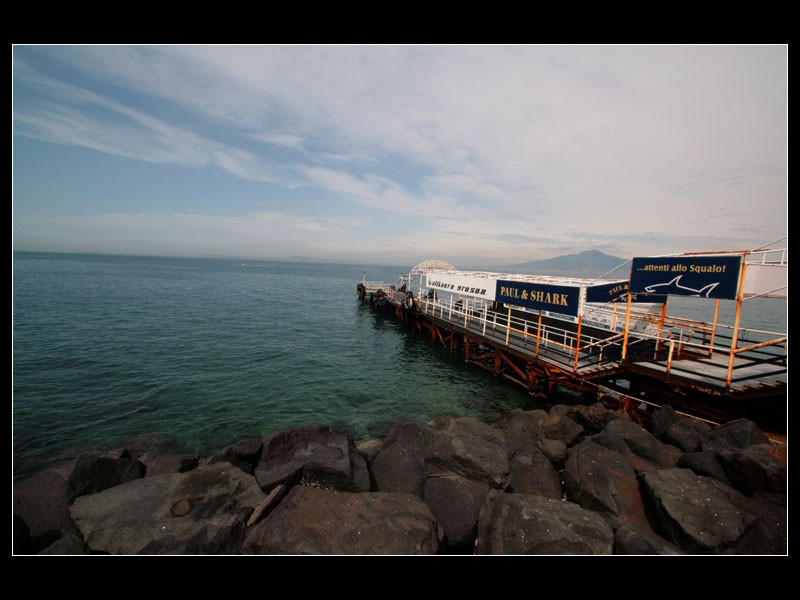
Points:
675	284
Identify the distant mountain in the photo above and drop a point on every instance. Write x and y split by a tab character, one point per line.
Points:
590	263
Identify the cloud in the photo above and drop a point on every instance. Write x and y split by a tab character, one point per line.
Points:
527	144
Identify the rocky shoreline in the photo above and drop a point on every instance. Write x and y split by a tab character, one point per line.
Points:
574	480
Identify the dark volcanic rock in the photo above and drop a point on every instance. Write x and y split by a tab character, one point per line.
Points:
739	433
592	418
704	463
700	515
71	543
533	473
245	454
311	455
754	469
531	524
318	521
631	540
643	451
94	474
42	504
663	418
203	511
157	463
602	480
687	434
456	504
523	428
413	451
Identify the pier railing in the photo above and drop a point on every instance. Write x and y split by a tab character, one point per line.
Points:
563	344
676	346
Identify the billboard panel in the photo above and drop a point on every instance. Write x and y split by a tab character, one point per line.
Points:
618	292
476	287
700	276
561	299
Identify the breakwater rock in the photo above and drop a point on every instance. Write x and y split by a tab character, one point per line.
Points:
573	480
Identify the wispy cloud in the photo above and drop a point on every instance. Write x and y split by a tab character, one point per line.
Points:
527	144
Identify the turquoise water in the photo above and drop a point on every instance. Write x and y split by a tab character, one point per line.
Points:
211	351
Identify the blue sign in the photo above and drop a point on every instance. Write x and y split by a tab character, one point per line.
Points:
700	276
618	292
561	299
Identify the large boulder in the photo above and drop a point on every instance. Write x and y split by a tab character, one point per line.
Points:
640	447
753	469
41	510
700	515
533	524
704	463
94	474
632	540
739	433
523	428
412	451
202	511
456	504
687	434
533	473
313	520
602	480
158	463
663	418
245	454
311	455
593	418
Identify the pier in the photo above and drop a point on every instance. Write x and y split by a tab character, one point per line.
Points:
614	341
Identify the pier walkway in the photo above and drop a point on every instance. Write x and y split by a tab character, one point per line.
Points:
640	359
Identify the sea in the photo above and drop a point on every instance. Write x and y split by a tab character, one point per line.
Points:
210	351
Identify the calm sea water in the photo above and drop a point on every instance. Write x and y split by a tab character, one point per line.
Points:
212	351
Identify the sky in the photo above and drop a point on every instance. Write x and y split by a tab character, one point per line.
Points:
480	155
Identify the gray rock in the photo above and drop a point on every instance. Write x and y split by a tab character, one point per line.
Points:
329	522
400	465
456	504
369	449
663	418
531	524
362	481
632	540
533	473
42	504
769	534
699	515
602	480
687	434
245	454
467	426
70	544
522	429
413	451
704	463
203	511
94	474
643	451
157	463
312	455
739	433
267	505
592	418
554	450
754	469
